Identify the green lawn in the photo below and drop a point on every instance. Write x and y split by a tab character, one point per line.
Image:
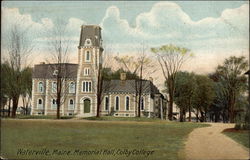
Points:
112	118
41	117
241	137
93	139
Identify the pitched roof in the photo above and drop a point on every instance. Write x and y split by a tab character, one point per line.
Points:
91	32
129	86
69	70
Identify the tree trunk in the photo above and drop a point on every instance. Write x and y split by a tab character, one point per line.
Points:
171	99
98	94
98	107
58	111
161	110
205	116
9	107
14	106
197	115
231	107
170	108
181	114
189	113
139	106
140	92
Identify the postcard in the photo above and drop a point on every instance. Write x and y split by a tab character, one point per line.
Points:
125	80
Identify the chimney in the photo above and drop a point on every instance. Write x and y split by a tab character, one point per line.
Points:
42	62
123	76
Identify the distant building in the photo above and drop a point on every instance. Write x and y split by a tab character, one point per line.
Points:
81	83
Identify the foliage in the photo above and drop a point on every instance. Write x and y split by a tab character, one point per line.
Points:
109	74
171	59
231	74
184	92
18	48
204	95
4	84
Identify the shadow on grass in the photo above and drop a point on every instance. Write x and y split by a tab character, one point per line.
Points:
39	117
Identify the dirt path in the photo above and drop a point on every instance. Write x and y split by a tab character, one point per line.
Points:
210	143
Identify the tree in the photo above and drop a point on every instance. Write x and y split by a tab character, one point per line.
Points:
103	78
203	97
58	44
184	93
104	83
5	92
219	106
18	48
26	87
141	66
171	59
231	74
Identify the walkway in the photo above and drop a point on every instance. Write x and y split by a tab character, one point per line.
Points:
209	143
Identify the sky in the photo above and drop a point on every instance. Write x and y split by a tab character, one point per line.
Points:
212	30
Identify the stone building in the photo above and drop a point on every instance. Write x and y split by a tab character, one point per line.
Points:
80	84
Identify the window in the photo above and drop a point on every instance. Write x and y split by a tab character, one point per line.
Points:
87	86
127	103
40	87
88	42
71	104
72	87
86	71
54	87
117	105
40	104
106	103
142	103
55	73
53	104
87	56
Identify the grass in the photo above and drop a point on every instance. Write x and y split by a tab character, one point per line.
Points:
112	118
41	117
93	140
240	136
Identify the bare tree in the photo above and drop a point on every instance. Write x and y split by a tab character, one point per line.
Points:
58	43
171	59
142	66
103	83
18	47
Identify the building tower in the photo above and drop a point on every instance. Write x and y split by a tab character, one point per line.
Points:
89	60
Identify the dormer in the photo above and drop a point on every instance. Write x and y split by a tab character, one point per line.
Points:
88	42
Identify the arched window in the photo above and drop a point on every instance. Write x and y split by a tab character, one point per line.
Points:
40	87
142	103
71	104
87	56
117	103
72	87
53	104
54	87
86	71
106	103
127	103
40	103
